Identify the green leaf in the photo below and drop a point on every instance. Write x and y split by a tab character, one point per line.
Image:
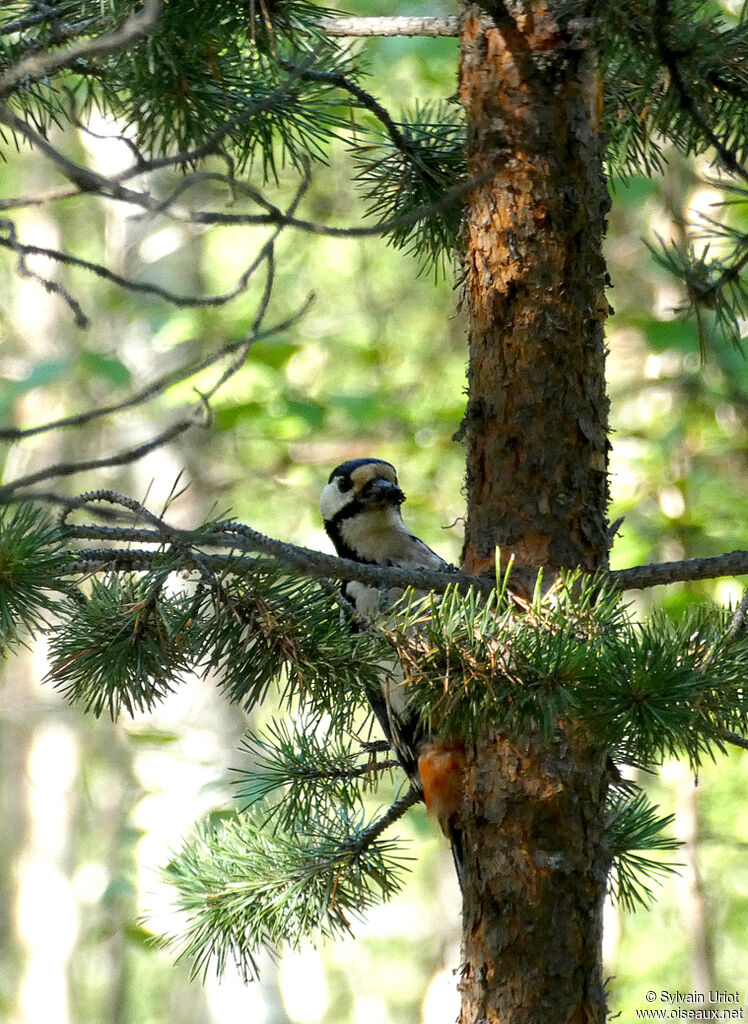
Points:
112	370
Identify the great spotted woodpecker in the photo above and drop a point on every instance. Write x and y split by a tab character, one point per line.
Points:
360	506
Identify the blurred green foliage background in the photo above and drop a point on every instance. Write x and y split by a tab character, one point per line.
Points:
91	809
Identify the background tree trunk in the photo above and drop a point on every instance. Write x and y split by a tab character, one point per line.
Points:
535	428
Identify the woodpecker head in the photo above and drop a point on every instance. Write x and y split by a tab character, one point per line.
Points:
360	507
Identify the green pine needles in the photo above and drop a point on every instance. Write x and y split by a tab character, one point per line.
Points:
124	648
305	854
398	180
245	885
268	626
32	559
648	690
642	691
262	87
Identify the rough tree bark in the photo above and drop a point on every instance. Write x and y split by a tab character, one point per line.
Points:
536	436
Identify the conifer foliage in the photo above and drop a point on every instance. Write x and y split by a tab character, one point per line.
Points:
253	88
301	857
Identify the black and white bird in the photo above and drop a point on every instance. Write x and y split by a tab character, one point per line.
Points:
360	506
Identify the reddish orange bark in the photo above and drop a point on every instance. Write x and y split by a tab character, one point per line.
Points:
532	820
536	419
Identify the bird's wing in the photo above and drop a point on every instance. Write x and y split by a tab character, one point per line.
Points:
420	554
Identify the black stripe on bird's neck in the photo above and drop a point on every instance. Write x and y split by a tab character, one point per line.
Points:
344	550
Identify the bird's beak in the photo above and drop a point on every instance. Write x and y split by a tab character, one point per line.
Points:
383	492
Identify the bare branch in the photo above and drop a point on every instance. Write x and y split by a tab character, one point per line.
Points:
640	577
40	198
152	390
23	269
737	623
459	191
143	287
242	538
448	25
45	13
89	181
23	249
83	177
118	459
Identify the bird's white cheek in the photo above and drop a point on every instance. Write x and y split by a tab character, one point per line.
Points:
332	501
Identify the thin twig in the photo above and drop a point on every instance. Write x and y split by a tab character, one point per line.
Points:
373	832
735	738
127	283
82	466
89	181
354	89
157	387
23	269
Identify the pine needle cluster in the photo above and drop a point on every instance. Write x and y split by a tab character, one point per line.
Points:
206	64
267	626
304	855
245	886
674	76
122	648
648	690
641	691
263	86
399	180
32	560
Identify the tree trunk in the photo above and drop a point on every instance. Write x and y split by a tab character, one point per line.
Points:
536	419
536	434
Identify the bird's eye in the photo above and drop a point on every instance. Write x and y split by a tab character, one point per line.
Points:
344	484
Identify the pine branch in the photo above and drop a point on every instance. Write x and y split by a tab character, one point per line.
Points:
448	25
31	554
369	836
316	563
655	574
303	767
240	538
111	187
634	830
661	23
364	98
243	887
42	65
